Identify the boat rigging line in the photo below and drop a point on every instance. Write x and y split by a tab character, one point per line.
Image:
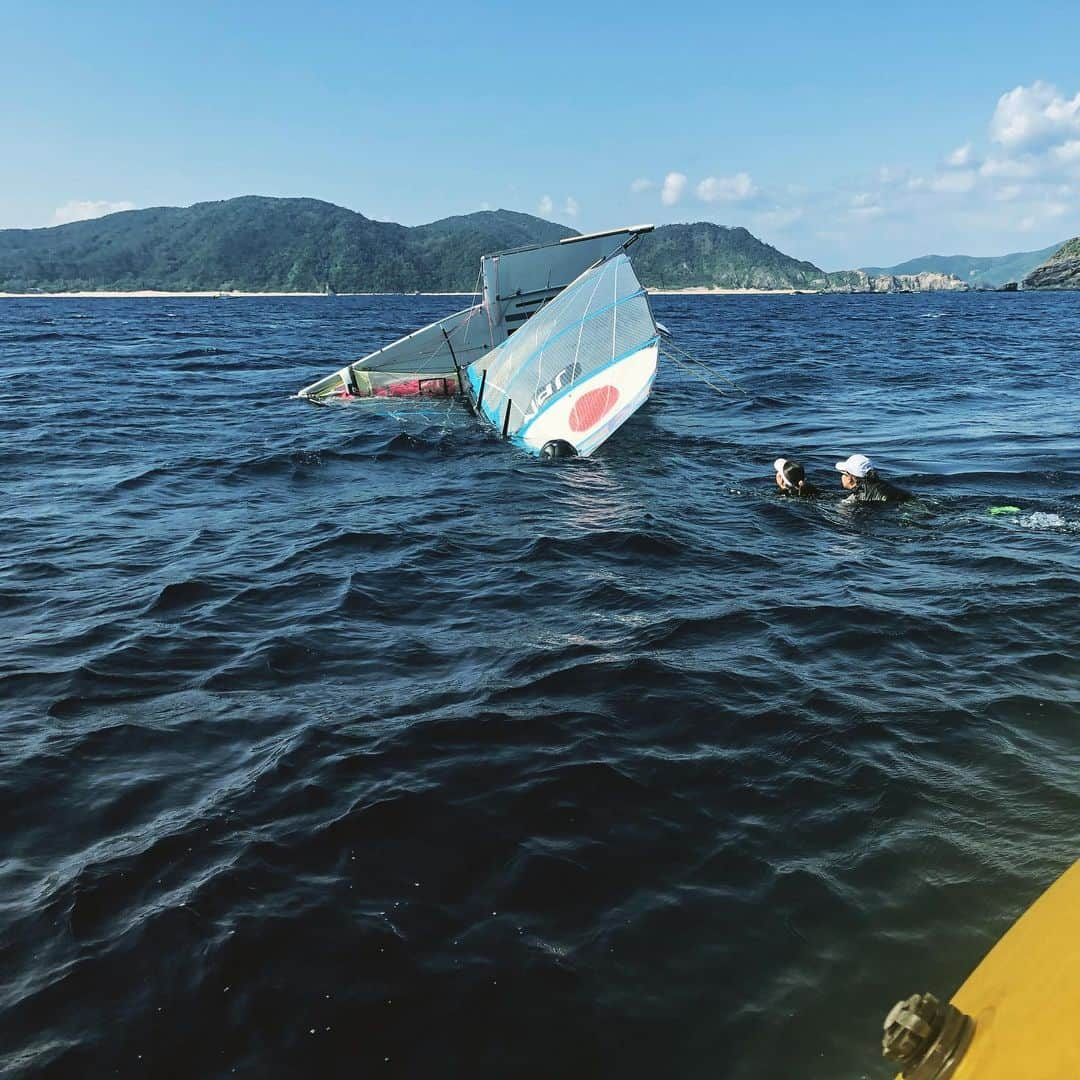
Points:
694	367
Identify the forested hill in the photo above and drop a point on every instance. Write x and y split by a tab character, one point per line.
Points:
258	244
683	256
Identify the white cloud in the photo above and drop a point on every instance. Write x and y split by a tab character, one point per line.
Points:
642	184
778	218
962	156
571	206
545	206
1067	152
673	188
891	175
85	209
865	205
485	205
726	188
954	183
1043	214
1011	168
1034	116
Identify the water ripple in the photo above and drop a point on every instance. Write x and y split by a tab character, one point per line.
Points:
350	735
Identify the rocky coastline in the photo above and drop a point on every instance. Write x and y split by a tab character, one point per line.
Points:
1060	271
858	281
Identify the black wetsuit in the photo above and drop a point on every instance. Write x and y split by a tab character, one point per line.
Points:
872	489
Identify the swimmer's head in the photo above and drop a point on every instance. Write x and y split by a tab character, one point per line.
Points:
789	474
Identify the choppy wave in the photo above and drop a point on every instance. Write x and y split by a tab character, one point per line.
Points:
352	739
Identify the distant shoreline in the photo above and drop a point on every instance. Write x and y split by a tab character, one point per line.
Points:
142	294
710	290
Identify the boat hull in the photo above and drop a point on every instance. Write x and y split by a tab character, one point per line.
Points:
592	410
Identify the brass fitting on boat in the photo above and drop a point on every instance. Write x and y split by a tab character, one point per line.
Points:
926	1037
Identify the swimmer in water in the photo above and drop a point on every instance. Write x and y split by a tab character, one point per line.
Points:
791	479
858	476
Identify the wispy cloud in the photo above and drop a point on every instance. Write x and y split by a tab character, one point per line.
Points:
641	184
673	187
1009	168
866	205
569	208
958	182
962	156
85	209
726	188
1067	152
778	218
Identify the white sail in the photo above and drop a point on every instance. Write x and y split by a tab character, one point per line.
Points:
577	370
516	285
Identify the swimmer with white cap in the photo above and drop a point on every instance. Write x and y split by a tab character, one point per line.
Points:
859	476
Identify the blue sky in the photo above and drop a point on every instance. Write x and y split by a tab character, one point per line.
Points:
847	134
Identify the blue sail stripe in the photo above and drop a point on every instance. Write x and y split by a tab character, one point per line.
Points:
474	384
567	329
520	433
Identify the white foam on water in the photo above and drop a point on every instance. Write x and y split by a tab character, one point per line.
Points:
1041	520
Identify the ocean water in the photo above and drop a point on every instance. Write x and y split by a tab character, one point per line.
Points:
351	742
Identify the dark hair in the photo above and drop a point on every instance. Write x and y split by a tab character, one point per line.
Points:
793	473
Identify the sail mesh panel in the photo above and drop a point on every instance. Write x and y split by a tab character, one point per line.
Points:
600	317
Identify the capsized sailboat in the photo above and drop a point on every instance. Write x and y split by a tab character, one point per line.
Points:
577	371
515	286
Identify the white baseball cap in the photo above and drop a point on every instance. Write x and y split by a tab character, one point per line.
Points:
856	465
779	463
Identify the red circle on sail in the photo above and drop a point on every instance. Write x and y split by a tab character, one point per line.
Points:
590	408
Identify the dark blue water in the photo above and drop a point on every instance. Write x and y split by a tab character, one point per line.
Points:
349	741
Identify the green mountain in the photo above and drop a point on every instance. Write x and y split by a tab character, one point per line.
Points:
257	244
682	256
1060	271
979	273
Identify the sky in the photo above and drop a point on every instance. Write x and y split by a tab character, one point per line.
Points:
849	134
